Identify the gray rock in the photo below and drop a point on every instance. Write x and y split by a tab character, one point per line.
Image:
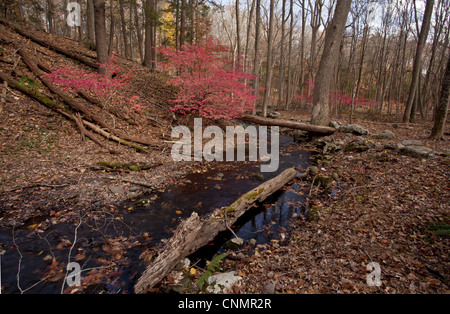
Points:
334	124
269	288
219	282
416	151
354	129
252	242
386	134
411	143
234	243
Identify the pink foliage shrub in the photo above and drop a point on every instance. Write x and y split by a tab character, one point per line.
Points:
209	82
106	87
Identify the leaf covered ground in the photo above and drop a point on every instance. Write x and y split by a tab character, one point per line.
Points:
383	207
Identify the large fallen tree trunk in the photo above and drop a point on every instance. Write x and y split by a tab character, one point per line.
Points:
289	124
78	106
195	232
46	101
87	61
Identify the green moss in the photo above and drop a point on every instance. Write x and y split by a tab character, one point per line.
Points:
323	181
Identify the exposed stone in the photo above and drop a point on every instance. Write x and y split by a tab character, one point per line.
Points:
269	288
386	134
417	151
411	143
219	282
354	129
323	181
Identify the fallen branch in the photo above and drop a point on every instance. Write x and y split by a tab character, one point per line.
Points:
28	34
195	232
46	101
289	124
132	181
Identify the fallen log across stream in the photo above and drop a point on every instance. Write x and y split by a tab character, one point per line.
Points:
289	124
196	232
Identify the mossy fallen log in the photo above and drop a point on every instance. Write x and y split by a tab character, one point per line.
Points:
133	166
196	232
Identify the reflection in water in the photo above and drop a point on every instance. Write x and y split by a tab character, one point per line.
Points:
146	222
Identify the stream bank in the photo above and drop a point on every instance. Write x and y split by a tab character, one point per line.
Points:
113	242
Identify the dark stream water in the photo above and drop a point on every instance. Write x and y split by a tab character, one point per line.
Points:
139	227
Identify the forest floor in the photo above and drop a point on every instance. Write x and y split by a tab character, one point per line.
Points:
383	207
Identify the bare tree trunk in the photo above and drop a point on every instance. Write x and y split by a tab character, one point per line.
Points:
90	24
111	28
148	42
269	68
256	59
289	75
281	71
100	34
183	23
137	25
333	37
418	59
124	29
437	131
238	29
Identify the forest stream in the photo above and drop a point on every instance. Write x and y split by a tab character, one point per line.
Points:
145	223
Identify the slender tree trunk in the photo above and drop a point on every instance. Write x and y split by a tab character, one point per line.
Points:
183	23
418	59
289	75
256	59
111	28
269	68
100	34
281	71
333	37
238	29
90	24
137	25
124	29
437	131
148	43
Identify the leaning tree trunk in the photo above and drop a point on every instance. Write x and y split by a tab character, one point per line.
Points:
418	60
441	112
333	37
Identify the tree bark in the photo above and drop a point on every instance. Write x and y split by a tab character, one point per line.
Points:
437	131
289	124
148	41
195	232
124	30
418	59
333	37
100	34
269	68
111	28
90	22
256	59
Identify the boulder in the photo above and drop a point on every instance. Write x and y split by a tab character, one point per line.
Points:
354	129
411	143
416	151
386	134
